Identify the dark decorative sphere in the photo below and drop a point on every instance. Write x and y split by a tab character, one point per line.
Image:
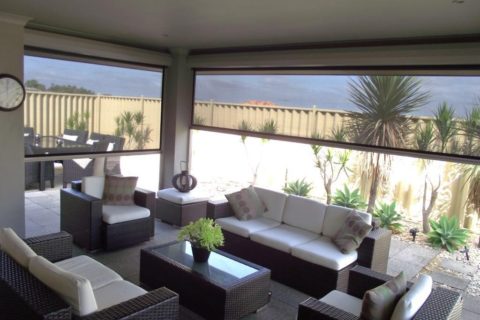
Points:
184	182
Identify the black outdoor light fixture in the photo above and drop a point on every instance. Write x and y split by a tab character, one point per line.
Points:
466	250
414	232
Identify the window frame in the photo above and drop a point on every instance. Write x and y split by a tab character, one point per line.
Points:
419	70
74	57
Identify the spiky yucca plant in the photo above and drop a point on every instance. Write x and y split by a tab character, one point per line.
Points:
447	234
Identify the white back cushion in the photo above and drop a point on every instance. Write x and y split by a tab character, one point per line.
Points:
111	146
74	289
413	300
93	186
335	217
15	247
91	141
274	201
70	137
304	213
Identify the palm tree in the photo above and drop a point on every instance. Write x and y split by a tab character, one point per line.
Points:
471	130
384	103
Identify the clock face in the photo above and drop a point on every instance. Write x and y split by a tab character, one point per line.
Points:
12	92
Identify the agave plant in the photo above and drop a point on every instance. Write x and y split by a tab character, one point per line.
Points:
389	216
298	188
349	199
447	234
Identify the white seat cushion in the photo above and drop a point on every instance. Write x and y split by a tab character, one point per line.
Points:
413	300
74	289
70	137
116	292
15	247
335	217
343	301
324	253
274	201
247	227
93	186
304	213
283	237
98	274
117	214
175	196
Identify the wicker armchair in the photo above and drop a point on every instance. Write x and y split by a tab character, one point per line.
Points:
23	296
32	170
81	215
441	304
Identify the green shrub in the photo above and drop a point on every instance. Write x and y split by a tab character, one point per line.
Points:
349	199
298	188
447	234
388	216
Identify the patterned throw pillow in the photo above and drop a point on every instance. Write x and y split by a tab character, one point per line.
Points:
246	204
379	303
352	233
118	191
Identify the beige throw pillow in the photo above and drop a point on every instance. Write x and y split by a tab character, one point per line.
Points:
118	191
246	204
352	233
379	303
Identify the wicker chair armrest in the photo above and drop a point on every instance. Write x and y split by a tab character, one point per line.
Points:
373	251
441	304
361	279
77	185
218	209
54	247
146	198
313	309
23	296
81	216
161	304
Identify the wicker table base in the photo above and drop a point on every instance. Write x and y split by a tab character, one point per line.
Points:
201	287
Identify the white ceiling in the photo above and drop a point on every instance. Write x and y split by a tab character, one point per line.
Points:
199	24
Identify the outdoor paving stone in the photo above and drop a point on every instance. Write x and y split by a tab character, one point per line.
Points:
468	315
395	266
449	280
396	246
273	311
457	266
472	304
417	254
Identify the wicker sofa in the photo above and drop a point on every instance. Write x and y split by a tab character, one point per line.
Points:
441	304
292	239
24	296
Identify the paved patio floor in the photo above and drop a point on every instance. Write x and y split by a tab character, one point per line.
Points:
42	211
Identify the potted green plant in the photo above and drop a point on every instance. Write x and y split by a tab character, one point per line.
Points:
204	235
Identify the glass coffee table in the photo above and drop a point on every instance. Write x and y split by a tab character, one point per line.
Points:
225	287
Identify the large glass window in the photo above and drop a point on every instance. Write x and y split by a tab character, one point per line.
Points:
76	107
431	114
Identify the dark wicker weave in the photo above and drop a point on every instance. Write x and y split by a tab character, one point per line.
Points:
209	299
180	214
314	279
22	296
54	247
38	172
441	304
81	215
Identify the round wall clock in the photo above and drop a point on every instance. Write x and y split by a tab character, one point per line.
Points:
12	92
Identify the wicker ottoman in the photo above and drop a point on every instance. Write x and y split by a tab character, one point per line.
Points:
179	208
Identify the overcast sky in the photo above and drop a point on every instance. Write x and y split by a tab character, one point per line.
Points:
329	92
